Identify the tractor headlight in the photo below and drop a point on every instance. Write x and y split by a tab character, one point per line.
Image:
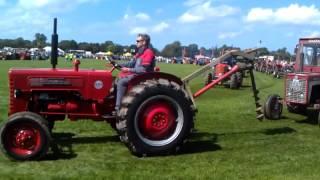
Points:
17	93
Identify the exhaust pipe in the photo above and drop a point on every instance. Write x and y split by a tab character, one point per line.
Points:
54	45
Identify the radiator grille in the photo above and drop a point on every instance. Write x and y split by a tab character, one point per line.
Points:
296	90
11	85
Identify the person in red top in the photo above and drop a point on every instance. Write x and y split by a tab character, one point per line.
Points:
143	61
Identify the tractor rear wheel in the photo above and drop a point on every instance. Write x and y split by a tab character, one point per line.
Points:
273	107
239	78
234	81
155	118
25	136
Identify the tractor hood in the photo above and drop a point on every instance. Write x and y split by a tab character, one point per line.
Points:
90	83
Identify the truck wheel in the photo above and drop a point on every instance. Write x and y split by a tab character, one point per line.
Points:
234	81
273	107
209	79
25	136
155	118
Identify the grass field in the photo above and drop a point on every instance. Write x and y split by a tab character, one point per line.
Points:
229	143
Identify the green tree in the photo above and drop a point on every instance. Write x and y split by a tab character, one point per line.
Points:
40	40
263	51
282	54
84	46
192	50
68	45
172	50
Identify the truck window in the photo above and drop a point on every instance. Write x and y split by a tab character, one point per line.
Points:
318	56
311	54
308	55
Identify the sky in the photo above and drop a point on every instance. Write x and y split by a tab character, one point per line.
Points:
208	23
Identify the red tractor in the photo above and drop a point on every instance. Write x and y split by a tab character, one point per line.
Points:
234	81
301	87
156	115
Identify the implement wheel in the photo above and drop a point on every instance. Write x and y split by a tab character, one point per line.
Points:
273	107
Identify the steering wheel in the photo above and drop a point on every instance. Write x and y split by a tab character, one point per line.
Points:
117	66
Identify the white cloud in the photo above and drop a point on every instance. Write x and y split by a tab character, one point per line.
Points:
160	27
190	18
26	17
290	34
293	14
228	35
36	14
51	5
205	11
193	2
3	2
147	29
132	18
313	34
259	14
126	17
142	16
141	23
137	30
19	19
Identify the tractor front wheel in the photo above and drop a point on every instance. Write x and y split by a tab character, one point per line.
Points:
25	136
297	109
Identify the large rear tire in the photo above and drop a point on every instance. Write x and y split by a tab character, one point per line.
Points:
155	118
25	136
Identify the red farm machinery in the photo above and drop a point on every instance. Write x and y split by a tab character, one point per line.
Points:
302	86
156	115
234	81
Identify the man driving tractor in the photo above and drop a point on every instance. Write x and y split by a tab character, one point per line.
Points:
143	61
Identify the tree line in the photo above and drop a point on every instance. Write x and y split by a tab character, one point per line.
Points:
174	49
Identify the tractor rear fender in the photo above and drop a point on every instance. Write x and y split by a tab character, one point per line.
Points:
154	75
161	75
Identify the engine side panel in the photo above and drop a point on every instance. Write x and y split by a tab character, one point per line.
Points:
91	85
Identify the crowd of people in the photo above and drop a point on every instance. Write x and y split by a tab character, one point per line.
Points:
277	68
23	54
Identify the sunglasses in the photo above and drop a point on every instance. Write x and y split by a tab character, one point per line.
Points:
139	40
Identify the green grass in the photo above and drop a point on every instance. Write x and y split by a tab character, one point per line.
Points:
229	143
